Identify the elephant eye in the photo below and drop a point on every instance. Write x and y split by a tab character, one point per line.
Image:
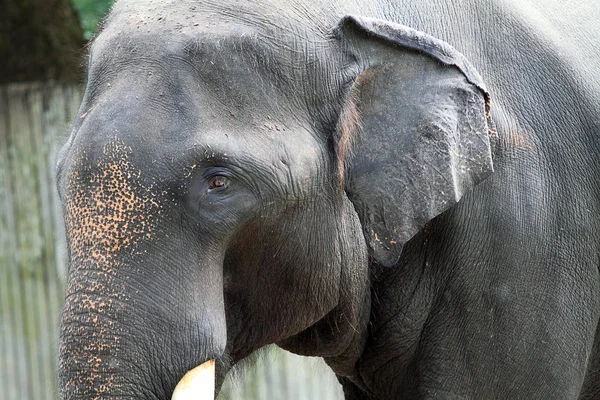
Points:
217	182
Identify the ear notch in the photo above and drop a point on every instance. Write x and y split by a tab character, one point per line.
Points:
422	113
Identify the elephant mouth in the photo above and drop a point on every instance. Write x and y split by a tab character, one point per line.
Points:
197	384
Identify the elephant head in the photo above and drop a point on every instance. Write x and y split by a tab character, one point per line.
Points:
231	183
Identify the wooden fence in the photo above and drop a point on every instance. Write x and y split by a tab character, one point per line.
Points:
33	119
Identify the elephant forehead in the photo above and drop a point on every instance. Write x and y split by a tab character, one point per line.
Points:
216	15
238	38
227	80
176	28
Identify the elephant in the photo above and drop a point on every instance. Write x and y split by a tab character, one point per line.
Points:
409	189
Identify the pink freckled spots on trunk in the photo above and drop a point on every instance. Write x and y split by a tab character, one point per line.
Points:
108	215
111	212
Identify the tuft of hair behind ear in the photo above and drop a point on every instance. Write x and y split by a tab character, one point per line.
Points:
349	124
347	128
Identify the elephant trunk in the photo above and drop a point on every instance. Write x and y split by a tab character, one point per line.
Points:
139	311
112	345
93	351
115	343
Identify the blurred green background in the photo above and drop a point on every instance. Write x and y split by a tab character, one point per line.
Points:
90	13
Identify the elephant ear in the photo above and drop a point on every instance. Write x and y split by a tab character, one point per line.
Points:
416	123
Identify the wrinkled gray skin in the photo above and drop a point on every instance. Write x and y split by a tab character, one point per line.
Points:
245	173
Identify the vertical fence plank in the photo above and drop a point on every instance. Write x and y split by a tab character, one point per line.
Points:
15	173
37	306
7	356
39	109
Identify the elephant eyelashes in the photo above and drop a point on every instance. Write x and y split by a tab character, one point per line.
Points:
217	183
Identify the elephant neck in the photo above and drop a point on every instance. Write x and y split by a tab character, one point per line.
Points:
403	299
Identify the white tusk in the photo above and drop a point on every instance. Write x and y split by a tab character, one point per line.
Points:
197	384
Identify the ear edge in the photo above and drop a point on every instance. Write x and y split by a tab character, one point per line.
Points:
405	38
